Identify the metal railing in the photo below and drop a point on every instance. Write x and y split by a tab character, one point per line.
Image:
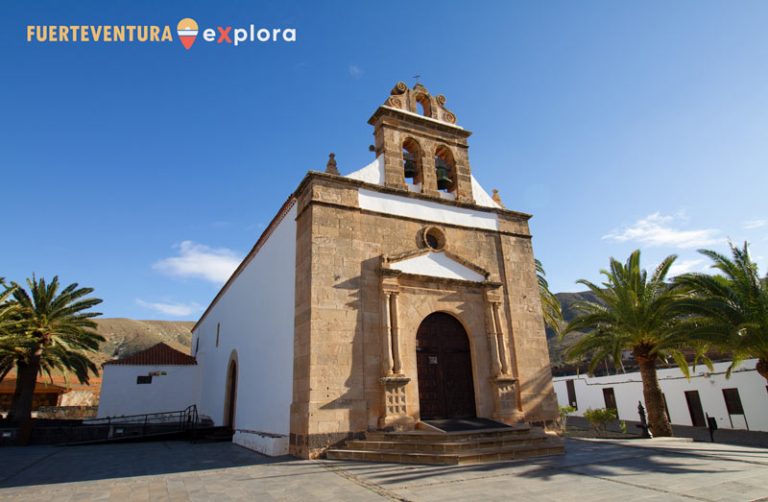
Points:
134	426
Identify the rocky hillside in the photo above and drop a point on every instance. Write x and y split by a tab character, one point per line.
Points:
128	336
557	348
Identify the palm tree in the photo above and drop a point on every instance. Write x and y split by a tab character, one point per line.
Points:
730	310
634	313
9	340
57	332
550	305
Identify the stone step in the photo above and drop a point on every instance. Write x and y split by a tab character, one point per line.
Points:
429	436
551	446
448	444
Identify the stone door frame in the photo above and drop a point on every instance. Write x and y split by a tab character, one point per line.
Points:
496	388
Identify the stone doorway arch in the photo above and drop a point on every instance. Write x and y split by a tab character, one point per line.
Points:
444	368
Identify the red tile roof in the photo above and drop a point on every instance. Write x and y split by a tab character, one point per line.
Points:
157	355
8	386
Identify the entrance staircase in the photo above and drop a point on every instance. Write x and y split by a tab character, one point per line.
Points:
451	448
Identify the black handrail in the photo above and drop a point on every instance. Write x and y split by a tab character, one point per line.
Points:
135	426
139	417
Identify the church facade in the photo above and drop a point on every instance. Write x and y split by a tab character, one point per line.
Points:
376	300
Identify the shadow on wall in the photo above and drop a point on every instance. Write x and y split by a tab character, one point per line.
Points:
355	302
543	406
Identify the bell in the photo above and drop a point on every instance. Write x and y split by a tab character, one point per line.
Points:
443	180
409	166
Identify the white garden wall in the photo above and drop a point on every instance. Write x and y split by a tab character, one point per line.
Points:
255	319
752	390
122	396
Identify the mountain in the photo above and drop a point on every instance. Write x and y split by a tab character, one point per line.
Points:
125	337
557	347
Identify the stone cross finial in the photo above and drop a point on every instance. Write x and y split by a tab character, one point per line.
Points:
497	198
330	167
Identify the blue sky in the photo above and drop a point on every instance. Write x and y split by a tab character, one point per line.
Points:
146	171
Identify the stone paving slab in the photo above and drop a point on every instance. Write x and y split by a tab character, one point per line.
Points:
593	470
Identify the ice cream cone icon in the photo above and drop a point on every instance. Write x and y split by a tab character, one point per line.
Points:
187	31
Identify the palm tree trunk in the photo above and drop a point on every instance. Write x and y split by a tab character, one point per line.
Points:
654	399
21	407
762	368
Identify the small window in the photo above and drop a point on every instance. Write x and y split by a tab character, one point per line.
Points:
218	331
143	379
197	345
434	238
733	401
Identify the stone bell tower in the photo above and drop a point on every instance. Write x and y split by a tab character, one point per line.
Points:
424	150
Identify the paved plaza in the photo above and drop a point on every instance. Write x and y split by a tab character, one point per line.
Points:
592	470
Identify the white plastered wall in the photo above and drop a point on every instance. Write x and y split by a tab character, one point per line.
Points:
256	318
437	264
426	210
122	396
628	390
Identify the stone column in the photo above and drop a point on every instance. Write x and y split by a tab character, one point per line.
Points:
505	386
386	339
394	398
500	335
429	177
397	366
493	339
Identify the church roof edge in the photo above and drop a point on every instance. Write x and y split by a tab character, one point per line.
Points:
265	235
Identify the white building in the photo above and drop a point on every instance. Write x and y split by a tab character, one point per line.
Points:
738	402
159	379
244	343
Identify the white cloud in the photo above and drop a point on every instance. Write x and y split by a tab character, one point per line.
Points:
201	262
657	230
753	224
355	71
172	309
680	267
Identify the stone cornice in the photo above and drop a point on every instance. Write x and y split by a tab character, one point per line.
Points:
416	118
391	273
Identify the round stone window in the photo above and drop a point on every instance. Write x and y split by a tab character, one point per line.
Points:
434	238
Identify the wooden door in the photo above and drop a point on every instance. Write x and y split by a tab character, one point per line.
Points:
571	387
232	394
695	409
610	400
444	366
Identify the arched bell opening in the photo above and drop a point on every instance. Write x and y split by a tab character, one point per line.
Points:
412	169
423	105
444	369
445	169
